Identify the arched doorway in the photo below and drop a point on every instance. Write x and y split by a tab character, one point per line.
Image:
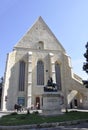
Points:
38	102
74	104
75	99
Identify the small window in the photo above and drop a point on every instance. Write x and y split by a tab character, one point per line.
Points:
41	45
21	101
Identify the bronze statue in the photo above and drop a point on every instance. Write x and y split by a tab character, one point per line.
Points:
50	87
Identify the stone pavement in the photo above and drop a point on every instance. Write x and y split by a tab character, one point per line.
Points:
82	126
67	125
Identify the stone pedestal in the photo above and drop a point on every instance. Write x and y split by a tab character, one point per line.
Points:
52	104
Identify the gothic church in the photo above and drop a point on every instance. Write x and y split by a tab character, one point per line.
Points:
34	59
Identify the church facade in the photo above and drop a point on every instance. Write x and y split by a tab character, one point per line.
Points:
34	59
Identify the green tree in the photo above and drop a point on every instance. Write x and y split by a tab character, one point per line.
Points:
85	64
1	85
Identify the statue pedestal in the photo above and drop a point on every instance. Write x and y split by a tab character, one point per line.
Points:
52	104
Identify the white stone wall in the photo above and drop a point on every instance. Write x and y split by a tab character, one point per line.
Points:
9	90
49	59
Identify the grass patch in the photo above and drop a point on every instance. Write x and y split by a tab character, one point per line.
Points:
25	119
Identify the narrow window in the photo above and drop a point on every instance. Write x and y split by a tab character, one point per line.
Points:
21	76
41	45
40	73
58	75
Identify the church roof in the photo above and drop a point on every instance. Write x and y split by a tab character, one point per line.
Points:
39	32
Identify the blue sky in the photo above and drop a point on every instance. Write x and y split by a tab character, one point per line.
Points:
68	20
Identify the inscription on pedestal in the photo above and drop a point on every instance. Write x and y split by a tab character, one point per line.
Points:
52	100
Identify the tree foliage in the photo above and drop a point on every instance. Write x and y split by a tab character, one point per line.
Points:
85	65
1	84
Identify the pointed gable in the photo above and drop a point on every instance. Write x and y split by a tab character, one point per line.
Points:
41	35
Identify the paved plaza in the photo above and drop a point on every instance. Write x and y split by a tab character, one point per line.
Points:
82	126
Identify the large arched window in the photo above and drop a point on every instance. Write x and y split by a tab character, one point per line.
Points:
58	75
21	76
40	73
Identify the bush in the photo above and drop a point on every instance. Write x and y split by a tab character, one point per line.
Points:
36	112
14	113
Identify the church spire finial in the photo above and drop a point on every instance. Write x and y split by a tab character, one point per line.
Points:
40	18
